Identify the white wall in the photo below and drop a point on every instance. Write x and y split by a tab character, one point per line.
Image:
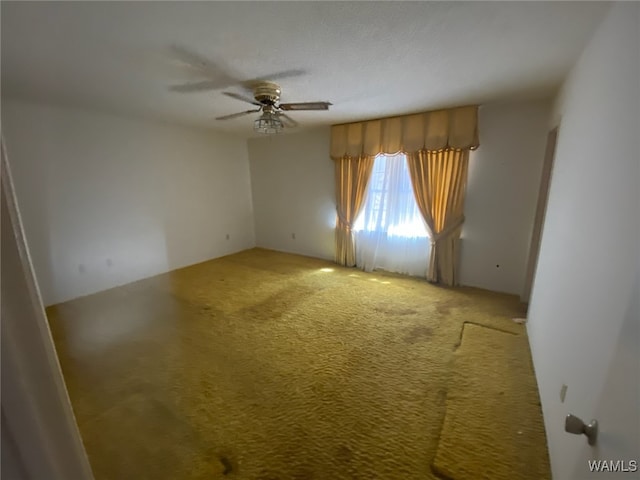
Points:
502	191
292	178
108	200
583	317
294	192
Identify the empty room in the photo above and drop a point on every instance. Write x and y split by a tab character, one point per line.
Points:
320	240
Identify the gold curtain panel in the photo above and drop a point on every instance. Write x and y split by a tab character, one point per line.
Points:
352	177
439	180
455	128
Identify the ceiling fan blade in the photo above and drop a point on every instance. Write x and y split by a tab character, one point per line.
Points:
242	98
270	78
305	106
239	114
195	87
286	74
204	65
288	121
194	59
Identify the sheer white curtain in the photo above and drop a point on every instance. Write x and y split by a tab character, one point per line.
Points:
390	233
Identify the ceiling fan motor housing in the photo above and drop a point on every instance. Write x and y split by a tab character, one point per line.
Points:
267	93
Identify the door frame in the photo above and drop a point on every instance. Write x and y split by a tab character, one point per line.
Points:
37	418
541	211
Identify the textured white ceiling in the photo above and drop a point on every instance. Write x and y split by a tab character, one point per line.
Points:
370	59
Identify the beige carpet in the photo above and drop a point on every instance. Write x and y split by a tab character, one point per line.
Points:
269	366
488	432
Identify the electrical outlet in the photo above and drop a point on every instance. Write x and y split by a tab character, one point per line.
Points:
228	236
563	393
293	235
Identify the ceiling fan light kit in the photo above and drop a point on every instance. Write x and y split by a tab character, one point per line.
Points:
268	124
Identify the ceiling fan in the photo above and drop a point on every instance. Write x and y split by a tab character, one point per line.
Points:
266	96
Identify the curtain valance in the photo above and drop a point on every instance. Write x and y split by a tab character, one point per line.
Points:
454	128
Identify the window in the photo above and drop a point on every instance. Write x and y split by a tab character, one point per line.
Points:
390	206
390	233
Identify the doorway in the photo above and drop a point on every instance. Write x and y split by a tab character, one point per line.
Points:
541	210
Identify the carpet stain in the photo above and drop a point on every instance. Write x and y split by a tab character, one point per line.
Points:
391	310
276	305
419	333
344	454
226	464
444	307
270	366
